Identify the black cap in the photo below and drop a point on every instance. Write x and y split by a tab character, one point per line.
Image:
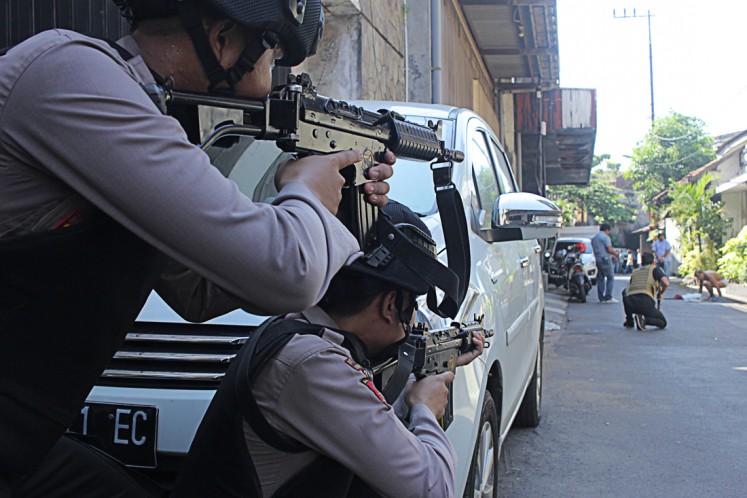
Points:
385	261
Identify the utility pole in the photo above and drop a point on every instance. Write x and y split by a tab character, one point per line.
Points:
648	16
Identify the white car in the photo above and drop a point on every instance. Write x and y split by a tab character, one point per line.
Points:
150	401
588	260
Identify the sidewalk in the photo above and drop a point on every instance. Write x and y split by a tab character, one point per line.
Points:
555	309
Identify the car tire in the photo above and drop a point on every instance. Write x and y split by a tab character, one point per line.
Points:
530	410
482	481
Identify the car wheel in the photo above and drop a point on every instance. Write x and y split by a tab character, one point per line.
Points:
483	473
530	409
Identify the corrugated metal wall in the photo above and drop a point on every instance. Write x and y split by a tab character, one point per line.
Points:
20	19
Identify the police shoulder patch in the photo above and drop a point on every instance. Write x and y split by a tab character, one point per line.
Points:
367	380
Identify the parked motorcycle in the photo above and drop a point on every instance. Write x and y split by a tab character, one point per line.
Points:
571	269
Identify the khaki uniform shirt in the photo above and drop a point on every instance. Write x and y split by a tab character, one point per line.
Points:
314	393
78	134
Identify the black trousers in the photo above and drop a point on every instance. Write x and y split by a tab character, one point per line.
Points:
641	304
75	469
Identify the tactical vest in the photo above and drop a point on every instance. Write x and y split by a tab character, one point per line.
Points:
219	462
68	298
642	281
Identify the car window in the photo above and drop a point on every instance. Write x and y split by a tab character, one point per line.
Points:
483	177
505	178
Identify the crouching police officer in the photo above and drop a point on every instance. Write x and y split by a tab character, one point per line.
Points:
647	284
98	188
298	413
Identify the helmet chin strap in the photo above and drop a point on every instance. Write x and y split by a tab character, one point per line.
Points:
405	312
216	73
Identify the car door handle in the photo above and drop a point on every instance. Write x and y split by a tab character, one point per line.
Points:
524	262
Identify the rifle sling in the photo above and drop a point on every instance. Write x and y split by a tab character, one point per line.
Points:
405	361
454	225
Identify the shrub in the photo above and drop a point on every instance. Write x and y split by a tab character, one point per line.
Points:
695	259
733	262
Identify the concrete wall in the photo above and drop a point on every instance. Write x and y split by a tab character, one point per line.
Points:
735	205
361	55
464	82
419	50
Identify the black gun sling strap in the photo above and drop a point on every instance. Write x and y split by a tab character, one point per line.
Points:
454	223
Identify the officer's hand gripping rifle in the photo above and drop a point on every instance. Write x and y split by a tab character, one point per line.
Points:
301	121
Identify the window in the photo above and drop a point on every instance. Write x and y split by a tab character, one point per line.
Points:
483	176
505	178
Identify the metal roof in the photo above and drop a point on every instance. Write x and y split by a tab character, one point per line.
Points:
518	40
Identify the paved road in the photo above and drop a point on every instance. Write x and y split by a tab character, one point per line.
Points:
638	414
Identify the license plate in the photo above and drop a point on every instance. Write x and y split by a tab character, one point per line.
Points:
126	432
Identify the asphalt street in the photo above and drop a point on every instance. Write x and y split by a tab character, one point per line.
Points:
626	413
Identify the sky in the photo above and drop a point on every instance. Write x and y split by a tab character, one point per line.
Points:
699	64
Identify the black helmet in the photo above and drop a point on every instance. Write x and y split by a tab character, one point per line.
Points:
296	24
404	255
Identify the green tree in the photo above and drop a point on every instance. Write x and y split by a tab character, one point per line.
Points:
675	145
701	220
601	199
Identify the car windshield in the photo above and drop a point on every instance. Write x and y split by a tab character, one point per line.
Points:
412	183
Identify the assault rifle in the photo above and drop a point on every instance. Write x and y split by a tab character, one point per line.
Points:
301	121
427	352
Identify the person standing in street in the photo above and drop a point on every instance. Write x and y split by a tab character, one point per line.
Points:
662	248
605	256
647	284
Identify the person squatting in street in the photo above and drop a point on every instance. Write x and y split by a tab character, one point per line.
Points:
103	198
305	419
647	285
710	279
605	256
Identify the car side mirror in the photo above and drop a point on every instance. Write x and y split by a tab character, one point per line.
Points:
523	216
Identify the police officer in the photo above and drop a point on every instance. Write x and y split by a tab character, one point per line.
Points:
98	189
647	284
302	417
